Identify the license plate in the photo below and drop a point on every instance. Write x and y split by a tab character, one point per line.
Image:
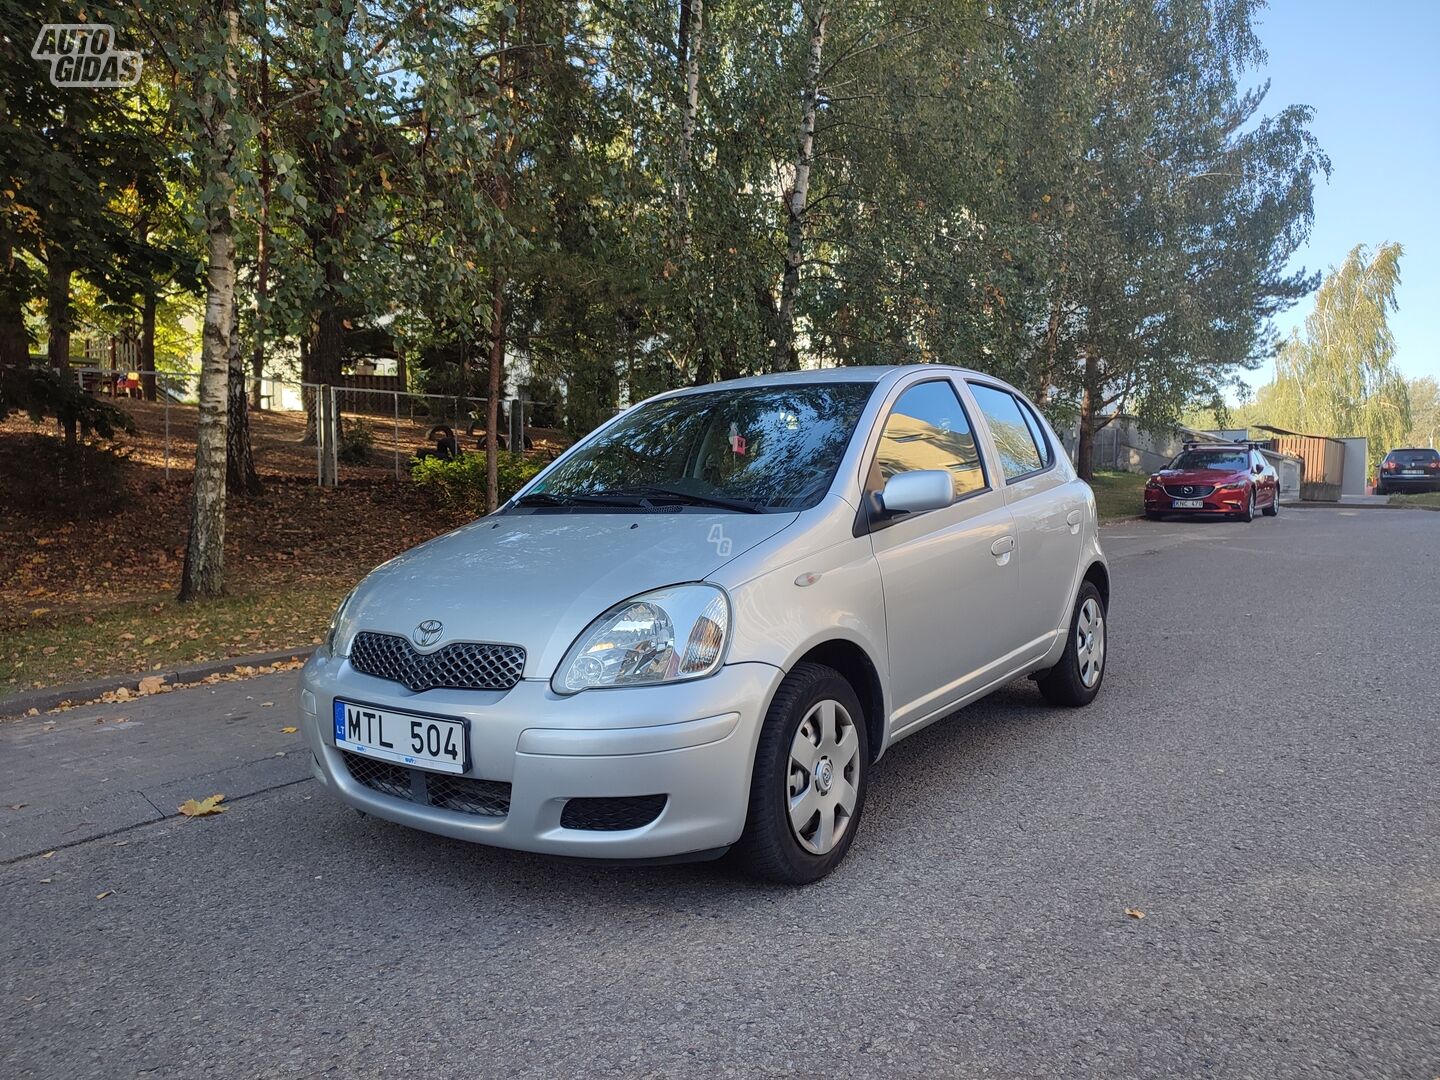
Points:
1412	472
425	742
1188	504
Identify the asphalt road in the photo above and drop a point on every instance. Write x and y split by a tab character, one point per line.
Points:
1259	776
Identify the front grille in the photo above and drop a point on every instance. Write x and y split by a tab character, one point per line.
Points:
461	665
1188	491
612	814
464	795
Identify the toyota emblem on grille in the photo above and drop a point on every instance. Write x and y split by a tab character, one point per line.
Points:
428	632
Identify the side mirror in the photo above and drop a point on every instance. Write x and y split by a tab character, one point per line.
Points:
912	492
1257	468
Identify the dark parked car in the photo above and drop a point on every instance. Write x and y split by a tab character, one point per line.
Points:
1215	480
1415	469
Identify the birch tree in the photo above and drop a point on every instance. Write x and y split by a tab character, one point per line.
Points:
797	197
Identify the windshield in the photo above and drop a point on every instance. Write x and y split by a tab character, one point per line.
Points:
1230	460
769	448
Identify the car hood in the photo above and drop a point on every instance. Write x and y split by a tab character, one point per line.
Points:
1213	477
537	580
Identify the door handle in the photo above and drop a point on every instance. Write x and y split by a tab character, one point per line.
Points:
1073	518
1003	545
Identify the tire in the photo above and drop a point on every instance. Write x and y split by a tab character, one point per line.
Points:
1248	514
1153	515
772	847
1070	683
1273	510
1380	490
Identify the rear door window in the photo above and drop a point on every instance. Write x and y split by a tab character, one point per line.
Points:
1015	436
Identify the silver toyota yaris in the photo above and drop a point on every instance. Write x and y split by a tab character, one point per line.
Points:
701	626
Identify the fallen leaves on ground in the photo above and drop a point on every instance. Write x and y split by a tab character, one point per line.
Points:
243	671
211	805
48	855
288	730
1134	913
102	895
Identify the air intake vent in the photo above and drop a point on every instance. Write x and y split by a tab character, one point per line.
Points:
612	814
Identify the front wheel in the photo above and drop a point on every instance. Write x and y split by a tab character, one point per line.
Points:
1075	680
1248	514
808	786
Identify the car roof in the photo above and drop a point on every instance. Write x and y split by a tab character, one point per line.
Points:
1413	450
863	374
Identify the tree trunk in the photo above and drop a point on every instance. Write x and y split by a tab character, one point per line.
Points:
262	243
14	343
240	473
505	146
690	37
204	571
493	391
146	361
1089	415
786	356
57	312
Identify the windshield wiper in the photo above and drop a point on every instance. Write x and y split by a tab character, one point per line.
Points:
691	498
600	498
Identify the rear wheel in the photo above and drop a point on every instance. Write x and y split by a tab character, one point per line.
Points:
1273	509
1075	680
808	786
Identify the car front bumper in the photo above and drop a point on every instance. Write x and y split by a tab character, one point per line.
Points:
693	742
1217	502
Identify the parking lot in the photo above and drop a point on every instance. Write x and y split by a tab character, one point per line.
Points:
1258	777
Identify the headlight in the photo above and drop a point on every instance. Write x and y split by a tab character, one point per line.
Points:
340	625
1238	486
657	637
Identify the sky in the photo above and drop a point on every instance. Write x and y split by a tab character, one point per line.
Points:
1371	71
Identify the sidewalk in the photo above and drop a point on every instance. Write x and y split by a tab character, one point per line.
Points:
99	769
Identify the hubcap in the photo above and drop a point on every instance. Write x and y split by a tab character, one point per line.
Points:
1090	642
821	781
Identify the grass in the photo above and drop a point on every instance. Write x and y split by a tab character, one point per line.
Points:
1119	494
160	635
1429	499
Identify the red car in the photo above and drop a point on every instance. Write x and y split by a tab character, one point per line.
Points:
1216	480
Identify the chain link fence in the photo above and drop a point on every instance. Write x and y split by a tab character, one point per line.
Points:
331	434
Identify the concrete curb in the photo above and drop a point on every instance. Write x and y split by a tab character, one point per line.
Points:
1303	505
50	697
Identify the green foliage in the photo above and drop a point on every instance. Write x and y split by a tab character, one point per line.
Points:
356	442
459	485
1079	197
1340	377
1424	395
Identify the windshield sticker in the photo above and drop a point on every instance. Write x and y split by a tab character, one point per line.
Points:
737	441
